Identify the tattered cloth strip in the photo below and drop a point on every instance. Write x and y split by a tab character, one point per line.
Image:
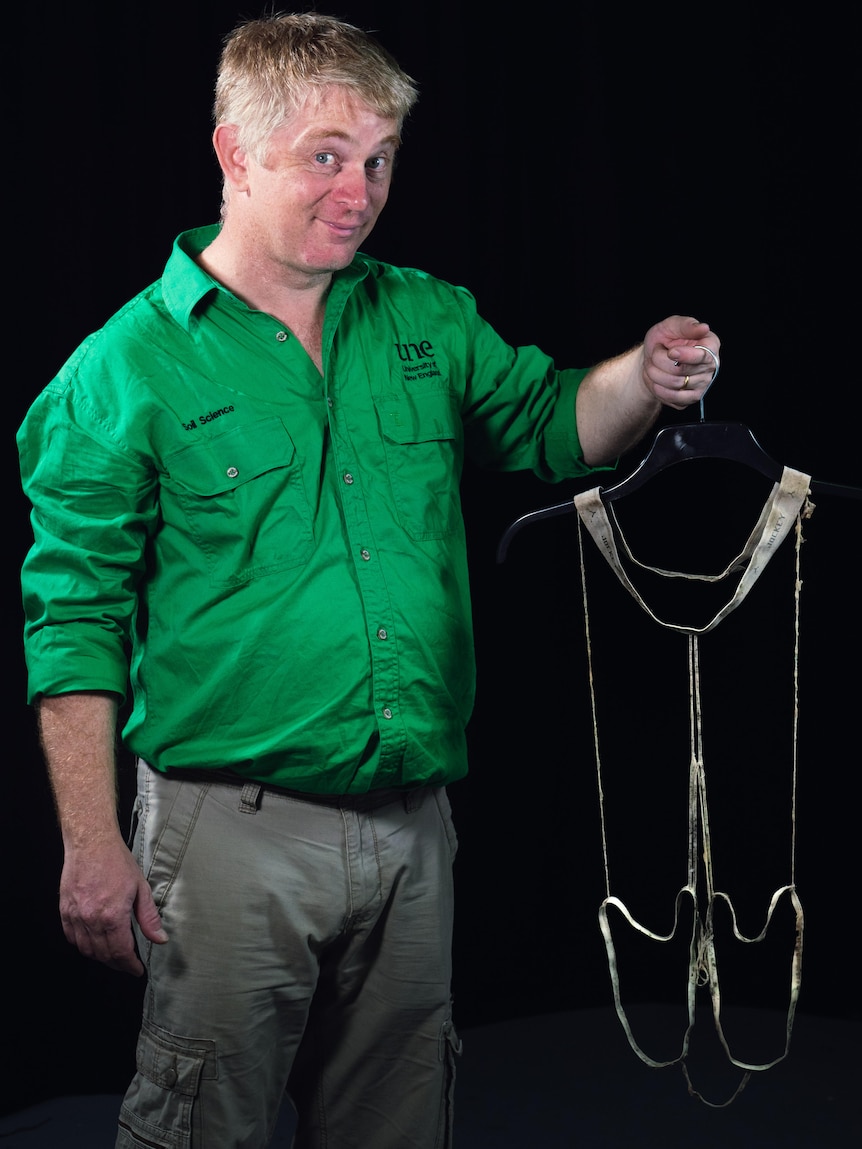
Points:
788	504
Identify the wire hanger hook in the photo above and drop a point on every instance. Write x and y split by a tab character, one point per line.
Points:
700	347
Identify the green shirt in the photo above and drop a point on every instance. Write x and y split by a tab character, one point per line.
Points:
277	560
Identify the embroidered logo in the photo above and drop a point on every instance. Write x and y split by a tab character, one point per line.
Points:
418	360
207	418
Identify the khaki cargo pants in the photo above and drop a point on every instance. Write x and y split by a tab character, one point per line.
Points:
309	954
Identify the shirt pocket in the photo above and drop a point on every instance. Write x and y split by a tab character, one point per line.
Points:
243	502
423	439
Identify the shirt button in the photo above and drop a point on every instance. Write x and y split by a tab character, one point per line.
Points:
382	632
348	478
328	400
387	713
232	472
281	336
365	554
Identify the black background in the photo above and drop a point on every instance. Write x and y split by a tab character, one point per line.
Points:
585	172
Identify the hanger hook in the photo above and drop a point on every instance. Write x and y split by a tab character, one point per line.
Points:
700	347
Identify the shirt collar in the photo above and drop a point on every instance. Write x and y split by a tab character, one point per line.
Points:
185	283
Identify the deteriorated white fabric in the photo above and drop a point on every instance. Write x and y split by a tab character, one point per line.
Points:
775	521
787	504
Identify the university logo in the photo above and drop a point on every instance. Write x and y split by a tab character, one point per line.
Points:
417	360
412	352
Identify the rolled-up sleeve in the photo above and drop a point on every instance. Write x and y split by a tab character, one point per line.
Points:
93	507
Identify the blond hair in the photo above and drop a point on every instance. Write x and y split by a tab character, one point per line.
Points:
275	65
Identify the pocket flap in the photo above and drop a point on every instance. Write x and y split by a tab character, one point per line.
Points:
423	417
233	457
175	1063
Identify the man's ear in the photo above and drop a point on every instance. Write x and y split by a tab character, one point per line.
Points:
231	157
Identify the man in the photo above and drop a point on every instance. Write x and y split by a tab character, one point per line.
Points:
249	480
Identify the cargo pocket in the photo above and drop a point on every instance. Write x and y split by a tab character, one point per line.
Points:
157	1110
450	1049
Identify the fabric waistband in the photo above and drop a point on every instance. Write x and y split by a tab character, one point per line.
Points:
370	800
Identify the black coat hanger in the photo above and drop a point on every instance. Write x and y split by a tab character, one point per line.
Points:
672	445
731	441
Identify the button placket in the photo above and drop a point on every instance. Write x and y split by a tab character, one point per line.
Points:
372	586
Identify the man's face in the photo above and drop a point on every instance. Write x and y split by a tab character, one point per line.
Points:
320	189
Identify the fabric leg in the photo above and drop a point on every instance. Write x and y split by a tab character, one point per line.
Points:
377	1063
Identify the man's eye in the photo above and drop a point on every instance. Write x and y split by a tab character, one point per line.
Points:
377	164
324	158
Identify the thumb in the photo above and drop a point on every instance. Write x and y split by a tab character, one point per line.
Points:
148	916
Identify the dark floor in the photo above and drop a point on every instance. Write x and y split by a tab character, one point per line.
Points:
571	1080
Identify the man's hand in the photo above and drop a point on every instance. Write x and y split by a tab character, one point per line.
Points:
100	889
102	886
680	360
620	399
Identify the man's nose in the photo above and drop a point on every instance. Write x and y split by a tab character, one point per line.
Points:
352	187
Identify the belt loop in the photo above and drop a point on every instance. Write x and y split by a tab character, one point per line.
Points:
413	799
249	799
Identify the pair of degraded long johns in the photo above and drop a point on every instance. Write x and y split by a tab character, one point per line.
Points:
787	505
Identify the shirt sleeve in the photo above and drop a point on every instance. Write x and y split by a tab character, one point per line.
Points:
93	506
519	410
